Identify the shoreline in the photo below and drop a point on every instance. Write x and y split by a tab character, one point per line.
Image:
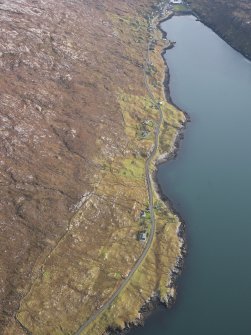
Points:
214	29
149	306
218	33
154	302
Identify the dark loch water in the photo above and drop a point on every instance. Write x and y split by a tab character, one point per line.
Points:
210	185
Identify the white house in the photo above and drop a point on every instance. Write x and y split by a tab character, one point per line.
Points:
142	236
176	2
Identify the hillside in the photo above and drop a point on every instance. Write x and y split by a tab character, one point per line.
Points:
231	19
77	124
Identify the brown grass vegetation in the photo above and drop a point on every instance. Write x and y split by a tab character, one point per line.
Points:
154	275
74	107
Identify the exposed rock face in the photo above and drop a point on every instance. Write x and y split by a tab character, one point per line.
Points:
230	19
61	65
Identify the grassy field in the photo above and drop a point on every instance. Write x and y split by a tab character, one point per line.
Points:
180	8
153	276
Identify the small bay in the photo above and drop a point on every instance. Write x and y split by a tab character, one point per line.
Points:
209	184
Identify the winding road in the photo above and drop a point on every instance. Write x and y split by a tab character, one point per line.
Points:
148	162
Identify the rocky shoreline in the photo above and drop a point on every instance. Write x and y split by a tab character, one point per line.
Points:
218	32
151	304
233	28
155	301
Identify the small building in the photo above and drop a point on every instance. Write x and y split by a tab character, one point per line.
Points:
142	236
142	214
144	133
176	2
